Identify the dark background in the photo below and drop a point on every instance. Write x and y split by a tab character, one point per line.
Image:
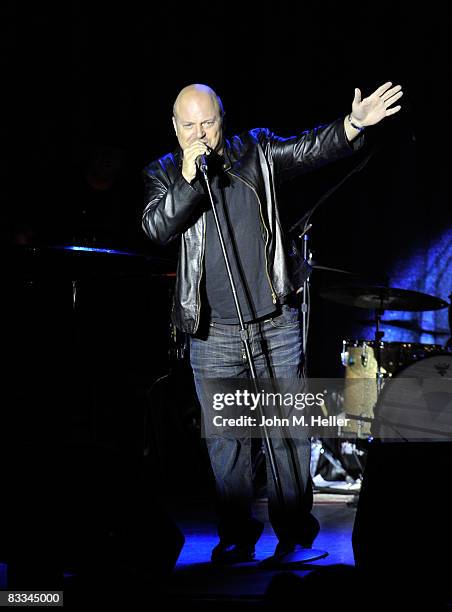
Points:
96	80
105	75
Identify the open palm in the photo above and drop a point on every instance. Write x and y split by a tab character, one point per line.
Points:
374	108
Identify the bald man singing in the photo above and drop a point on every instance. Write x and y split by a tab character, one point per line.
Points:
244	172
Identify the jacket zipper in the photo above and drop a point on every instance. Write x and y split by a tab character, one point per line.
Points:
201	268
267	233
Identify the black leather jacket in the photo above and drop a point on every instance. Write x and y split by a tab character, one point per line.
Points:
259	158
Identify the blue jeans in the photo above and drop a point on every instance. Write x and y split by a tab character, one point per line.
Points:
276	346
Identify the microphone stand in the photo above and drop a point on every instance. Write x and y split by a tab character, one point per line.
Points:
244	336
297	556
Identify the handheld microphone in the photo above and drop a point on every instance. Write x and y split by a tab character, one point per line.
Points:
201	162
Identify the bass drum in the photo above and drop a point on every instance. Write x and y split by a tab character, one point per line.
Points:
416	403
360	385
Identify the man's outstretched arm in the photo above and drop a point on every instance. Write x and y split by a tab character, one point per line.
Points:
326	143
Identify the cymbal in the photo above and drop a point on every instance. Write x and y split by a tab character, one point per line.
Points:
407	324
75	262
328	269
382	298
359	276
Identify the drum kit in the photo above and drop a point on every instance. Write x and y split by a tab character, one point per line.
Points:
369	364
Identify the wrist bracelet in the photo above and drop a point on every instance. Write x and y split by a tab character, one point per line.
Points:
360	129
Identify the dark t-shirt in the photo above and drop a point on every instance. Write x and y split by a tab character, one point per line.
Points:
244	235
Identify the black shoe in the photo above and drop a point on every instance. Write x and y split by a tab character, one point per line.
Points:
227	554
282	554
290	551
313	531
224	554
304	535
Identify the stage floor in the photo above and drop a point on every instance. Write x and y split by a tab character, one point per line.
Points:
195	580
195	584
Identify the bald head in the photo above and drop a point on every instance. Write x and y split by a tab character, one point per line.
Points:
198	116
196	94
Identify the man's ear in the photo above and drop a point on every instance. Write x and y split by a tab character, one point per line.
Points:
175	124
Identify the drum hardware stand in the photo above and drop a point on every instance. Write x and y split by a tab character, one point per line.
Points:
449	342
322	449
328	453
380	376
379	312
304	222
304	304
303	555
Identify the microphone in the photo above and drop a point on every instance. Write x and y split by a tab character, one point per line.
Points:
201	162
